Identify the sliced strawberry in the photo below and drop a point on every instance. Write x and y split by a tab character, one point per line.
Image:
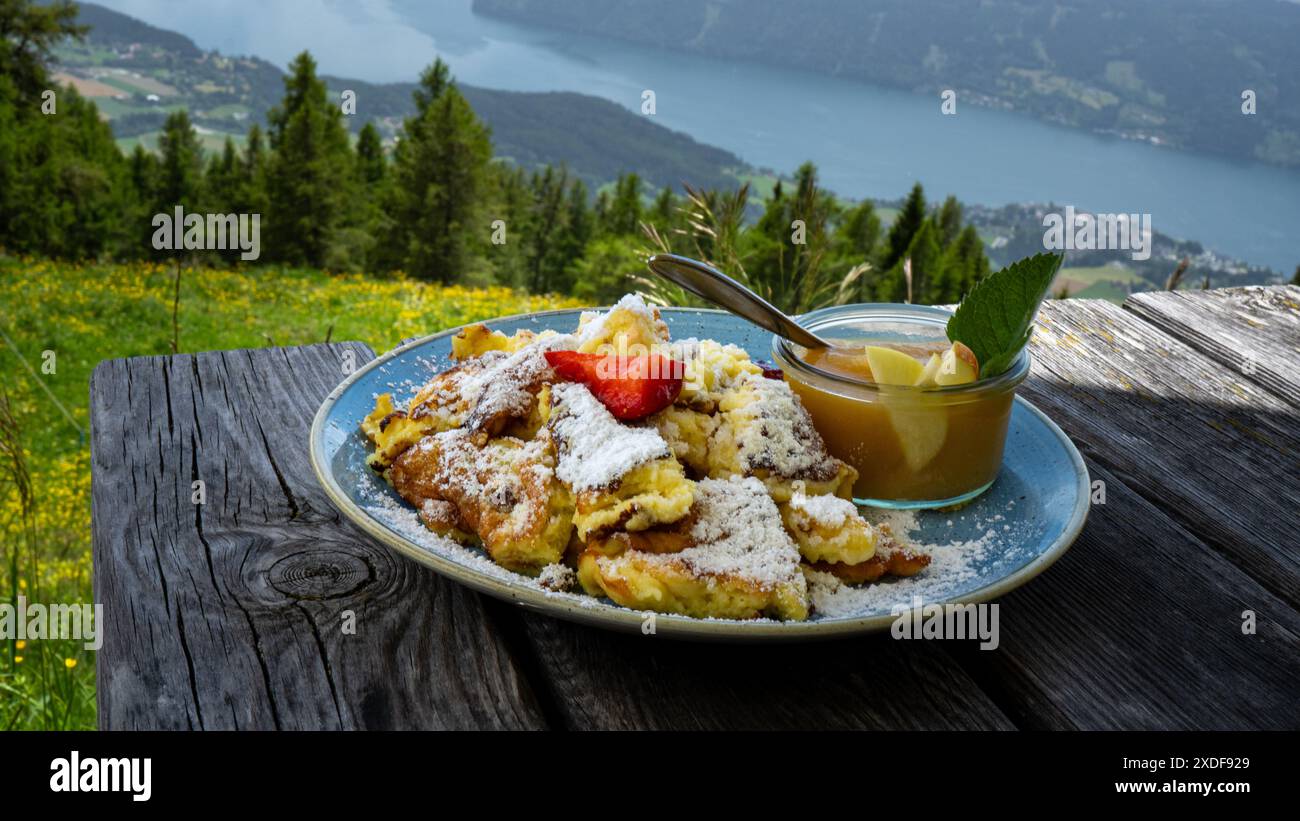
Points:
572	366
631	387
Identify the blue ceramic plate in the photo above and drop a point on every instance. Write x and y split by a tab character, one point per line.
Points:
1030	516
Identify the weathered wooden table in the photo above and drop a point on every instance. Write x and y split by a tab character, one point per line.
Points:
230	614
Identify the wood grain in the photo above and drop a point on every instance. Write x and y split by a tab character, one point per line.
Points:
1139	626
1217	453
1254	331
230	614
603	680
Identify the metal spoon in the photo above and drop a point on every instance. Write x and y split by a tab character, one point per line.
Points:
709	283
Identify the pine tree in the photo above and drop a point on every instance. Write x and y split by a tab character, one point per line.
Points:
579	216
509	200
663	213
544	259
180	181
440	182
13	104
63	185
16	223
69	198
434	80
927	270
786	250
368	217
223	180
312	173
947	221
965	264
28	34
371	163
857	233
624	215
143	172
253	197
904	228
1295	280
774	222
600	211
576	235
767	245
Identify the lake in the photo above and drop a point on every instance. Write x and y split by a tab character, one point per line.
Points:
866	141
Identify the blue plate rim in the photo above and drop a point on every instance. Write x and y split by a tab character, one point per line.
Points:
615	617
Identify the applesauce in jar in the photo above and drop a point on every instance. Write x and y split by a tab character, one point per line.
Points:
913	447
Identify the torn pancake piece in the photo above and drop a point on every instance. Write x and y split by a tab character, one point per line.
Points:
490	394
629	328
741	564
621	476
712	369
504	492
475	340
491	391
687	432
828	528
392	431
764	431
891	558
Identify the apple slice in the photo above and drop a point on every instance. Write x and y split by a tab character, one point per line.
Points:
891	367
958	366
921	432
920	428
928	373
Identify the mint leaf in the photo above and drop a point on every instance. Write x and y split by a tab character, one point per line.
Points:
996	318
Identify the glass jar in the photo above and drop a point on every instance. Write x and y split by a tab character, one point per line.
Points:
912	447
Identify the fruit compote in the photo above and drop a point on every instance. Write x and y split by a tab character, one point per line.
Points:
901	404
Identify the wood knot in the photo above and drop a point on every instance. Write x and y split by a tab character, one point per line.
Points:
320	574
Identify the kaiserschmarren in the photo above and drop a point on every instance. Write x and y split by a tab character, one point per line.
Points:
700	488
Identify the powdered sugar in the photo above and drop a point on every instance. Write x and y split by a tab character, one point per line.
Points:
733	539
953	565
824	510
952	569
507	386
592	324
774	432
557	577
594	449
400	518
737	533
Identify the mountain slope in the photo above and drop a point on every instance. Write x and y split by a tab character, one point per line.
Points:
138	72
1172	72
596	138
